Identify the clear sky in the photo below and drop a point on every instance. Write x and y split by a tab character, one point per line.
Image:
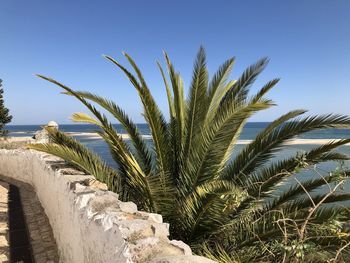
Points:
308	43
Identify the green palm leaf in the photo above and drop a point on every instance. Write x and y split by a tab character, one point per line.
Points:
153	116
197	102
144	154
268	143
81	158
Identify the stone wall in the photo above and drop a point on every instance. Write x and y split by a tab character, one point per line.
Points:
89	223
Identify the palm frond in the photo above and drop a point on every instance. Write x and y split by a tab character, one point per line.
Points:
305	202
81	158
209	205
241	87
263	147
268	177
220	78
179	98
197	102
216	100
152	115
176	125
220	255
141	147
119	150
168	92
102	122
211	160
266	88
298	189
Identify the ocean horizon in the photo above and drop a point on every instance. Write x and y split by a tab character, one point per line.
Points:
250	130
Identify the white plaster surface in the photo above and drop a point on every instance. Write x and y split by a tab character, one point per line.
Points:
90	224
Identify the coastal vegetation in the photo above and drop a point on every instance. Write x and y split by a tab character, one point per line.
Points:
5	117
242	208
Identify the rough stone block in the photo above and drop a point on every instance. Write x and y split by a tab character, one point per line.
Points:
128	207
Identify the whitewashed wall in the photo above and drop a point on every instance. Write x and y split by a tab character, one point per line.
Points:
89	223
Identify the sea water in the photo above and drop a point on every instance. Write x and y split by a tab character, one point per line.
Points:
249	132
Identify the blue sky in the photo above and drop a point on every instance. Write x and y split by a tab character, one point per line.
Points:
308	43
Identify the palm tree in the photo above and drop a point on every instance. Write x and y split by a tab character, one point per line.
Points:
188	174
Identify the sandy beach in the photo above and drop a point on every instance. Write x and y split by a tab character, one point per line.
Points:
90	135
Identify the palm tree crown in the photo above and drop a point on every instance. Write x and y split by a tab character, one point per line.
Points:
188	174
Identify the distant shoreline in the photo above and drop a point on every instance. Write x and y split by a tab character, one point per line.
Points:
93	135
